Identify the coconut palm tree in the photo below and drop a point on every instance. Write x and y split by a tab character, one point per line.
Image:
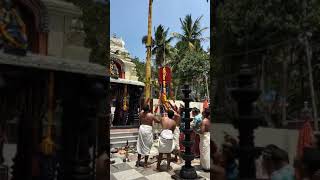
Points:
161	47
191	36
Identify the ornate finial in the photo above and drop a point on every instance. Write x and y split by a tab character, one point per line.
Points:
186	90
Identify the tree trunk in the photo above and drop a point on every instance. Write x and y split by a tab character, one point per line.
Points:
284	87
313	97
262	79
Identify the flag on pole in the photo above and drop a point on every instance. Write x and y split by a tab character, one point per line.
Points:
205	104
305	137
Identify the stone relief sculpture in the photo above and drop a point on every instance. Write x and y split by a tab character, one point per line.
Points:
114	70
12	29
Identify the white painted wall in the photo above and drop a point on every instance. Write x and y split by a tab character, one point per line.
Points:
286	139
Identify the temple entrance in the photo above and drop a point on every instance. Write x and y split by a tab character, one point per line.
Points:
125	105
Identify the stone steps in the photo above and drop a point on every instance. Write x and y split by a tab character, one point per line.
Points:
119	137
123	138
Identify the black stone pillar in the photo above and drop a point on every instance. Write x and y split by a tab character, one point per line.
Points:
22	167
134	102
131	107
88	112
187	171
76	126
245	95
31	103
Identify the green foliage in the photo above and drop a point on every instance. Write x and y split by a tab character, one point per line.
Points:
191	36
193	65
141	69
187	59
249	31
161	47
95	24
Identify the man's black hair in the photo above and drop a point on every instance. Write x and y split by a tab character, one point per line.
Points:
170	114
146	108
196	110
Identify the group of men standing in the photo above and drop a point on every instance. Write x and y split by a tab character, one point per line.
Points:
172	135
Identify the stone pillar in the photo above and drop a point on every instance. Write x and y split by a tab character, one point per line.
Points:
87	111
245	95
187	171
21	169
26	161
70	106
135	94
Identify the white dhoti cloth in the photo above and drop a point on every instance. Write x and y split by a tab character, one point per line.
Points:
205	150
176	138
166	142
145	139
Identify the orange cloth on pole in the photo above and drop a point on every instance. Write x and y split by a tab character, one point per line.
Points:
205	104
305	140
305	137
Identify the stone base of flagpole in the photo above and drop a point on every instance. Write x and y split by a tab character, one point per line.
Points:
178	177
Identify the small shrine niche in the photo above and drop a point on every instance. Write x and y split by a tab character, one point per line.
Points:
114	70
22	27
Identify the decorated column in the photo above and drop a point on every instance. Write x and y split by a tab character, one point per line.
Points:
245	95
187	171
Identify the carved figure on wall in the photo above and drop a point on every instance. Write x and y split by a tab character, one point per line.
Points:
114	70
12	29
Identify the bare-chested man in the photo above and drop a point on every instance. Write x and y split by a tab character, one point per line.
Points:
145	137
205	140
166	142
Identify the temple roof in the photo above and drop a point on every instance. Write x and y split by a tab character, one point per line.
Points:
53	63
117	46
126	81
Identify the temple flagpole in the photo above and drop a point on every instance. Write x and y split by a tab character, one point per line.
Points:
148	60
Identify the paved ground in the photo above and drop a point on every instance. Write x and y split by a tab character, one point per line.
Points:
128	171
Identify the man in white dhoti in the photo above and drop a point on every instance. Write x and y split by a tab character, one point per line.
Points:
205	141
145	136
176	138
166	139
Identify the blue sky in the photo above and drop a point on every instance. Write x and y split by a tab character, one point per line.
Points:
129	19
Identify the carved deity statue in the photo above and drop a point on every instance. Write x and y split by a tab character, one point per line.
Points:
12	29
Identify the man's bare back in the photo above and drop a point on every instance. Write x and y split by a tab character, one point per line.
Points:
205	125
147	118
177	119
168	123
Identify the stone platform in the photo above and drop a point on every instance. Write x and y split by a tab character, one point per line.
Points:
128	171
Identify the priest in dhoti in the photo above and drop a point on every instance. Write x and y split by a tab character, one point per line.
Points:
176	138
166	139
145	136
205	141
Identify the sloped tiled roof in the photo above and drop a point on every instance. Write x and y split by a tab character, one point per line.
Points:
53	63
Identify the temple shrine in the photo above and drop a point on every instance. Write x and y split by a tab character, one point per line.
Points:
126	90
52	99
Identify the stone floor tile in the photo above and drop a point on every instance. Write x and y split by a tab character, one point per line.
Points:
141	178
114	168
128	175
159	176
146	171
